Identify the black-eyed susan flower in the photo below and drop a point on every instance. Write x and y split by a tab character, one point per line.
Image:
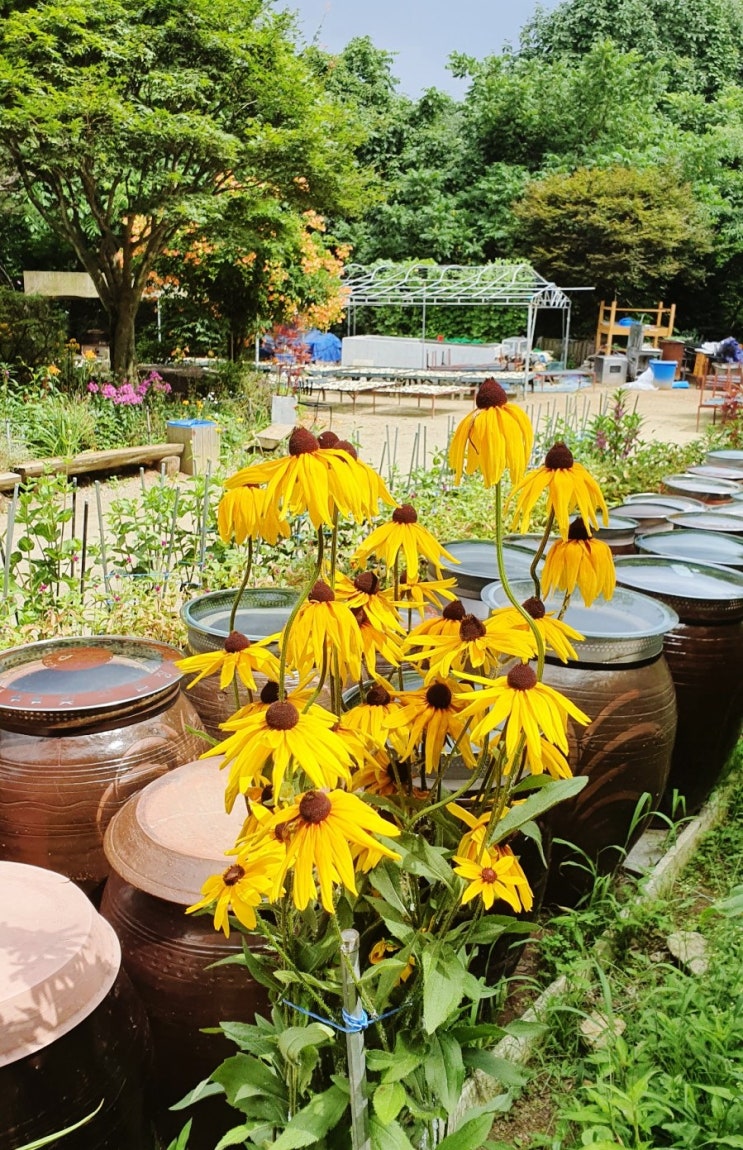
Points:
238	656
244	513
580	561
384	776
472	843
324	633
372	717
569	487
382	949
497	875
478	645
556	635
267	744
415	594
529	710
495	436
319	829
241	888
268	694
447	623
405	536
366	488
366	592
431	716
377	643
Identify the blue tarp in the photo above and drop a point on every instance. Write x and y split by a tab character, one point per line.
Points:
323	345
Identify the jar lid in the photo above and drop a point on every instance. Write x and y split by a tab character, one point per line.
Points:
58	958
717	471
726	457
678	502
628	628
647	511
696	546
478	565
618	527
696	591
709	489
60	684
262	611
713	520
172	835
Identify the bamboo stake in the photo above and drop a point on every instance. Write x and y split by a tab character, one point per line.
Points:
355	1047
102	533
84	551
9	541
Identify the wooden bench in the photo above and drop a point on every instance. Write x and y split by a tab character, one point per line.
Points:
273	436
98	460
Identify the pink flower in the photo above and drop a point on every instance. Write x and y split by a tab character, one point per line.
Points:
93	388
108	391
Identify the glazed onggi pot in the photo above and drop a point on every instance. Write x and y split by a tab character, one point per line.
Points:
162	846
705	656
622	682
73	1034
84	724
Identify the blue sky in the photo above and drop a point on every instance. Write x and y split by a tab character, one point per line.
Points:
421	32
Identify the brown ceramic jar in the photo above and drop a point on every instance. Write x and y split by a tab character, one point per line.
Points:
84	724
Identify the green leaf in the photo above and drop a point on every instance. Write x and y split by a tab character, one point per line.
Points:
244	1077
393	1067
388	1100
295	1039
443	986
427	861
235	1137
492	927
259	968
470	1136
204	1089
499	1068
50	1138
181	1142
520	1028
389	1137
249	1037
314	1121
556	791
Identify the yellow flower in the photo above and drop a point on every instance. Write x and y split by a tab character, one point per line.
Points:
241	887
553	761
365	592
372	717
244	513
402	535
364	486
275	739
447	623
529	708
53	369
318	830
478	645
325	634
580	561
269	694
497	875
383	776
555	634
376	641
569	487
415	593
496	436
381	949
238	655
311	479
432	715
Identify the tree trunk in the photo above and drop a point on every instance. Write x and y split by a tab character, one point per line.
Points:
123	351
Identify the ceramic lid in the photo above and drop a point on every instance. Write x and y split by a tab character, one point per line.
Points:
717	471
679	502
646	512
628	628
172	835
726	457
697	546
618	527
478	565
701	485
59	684
696	591
262	611
530	542
58	959
710	521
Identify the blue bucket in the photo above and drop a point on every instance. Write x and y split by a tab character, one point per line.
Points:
664	371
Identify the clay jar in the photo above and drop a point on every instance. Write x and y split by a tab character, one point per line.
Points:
705	656
84	723
72	1031
162	846
622	681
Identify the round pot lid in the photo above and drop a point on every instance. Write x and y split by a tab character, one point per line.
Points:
698	592
171	836
478	565
643	512
678	502
262	611
697	546
619	527
717	471
710	521
531	542
628	628
58	959
734	507
62	683
726	457
701	485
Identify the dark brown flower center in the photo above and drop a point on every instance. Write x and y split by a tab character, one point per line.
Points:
321	593
327	439
487	874
344	445
471	628
267	794
454	611
534	607
235	642
559	458
405	514
360	616
282	716
578	531
438	696
522	678
233	874
367	582
378	696
314	807
491	394
270	692
302	441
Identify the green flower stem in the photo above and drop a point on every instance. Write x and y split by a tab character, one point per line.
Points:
507	586
320	682
295	611
243	585
334	549
539	553
452	798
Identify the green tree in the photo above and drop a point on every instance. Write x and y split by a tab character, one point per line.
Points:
126	121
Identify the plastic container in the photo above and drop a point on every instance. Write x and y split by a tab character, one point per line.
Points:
664	372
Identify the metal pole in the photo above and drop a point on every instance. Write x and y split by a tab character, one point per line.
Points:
566	336
360	1139
102	533
9	541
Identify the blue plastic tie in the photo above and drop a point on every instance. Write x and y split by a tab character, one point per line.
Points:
352	1024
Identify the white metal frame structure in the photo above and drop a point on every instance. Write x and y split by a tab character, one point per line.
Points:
498	284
